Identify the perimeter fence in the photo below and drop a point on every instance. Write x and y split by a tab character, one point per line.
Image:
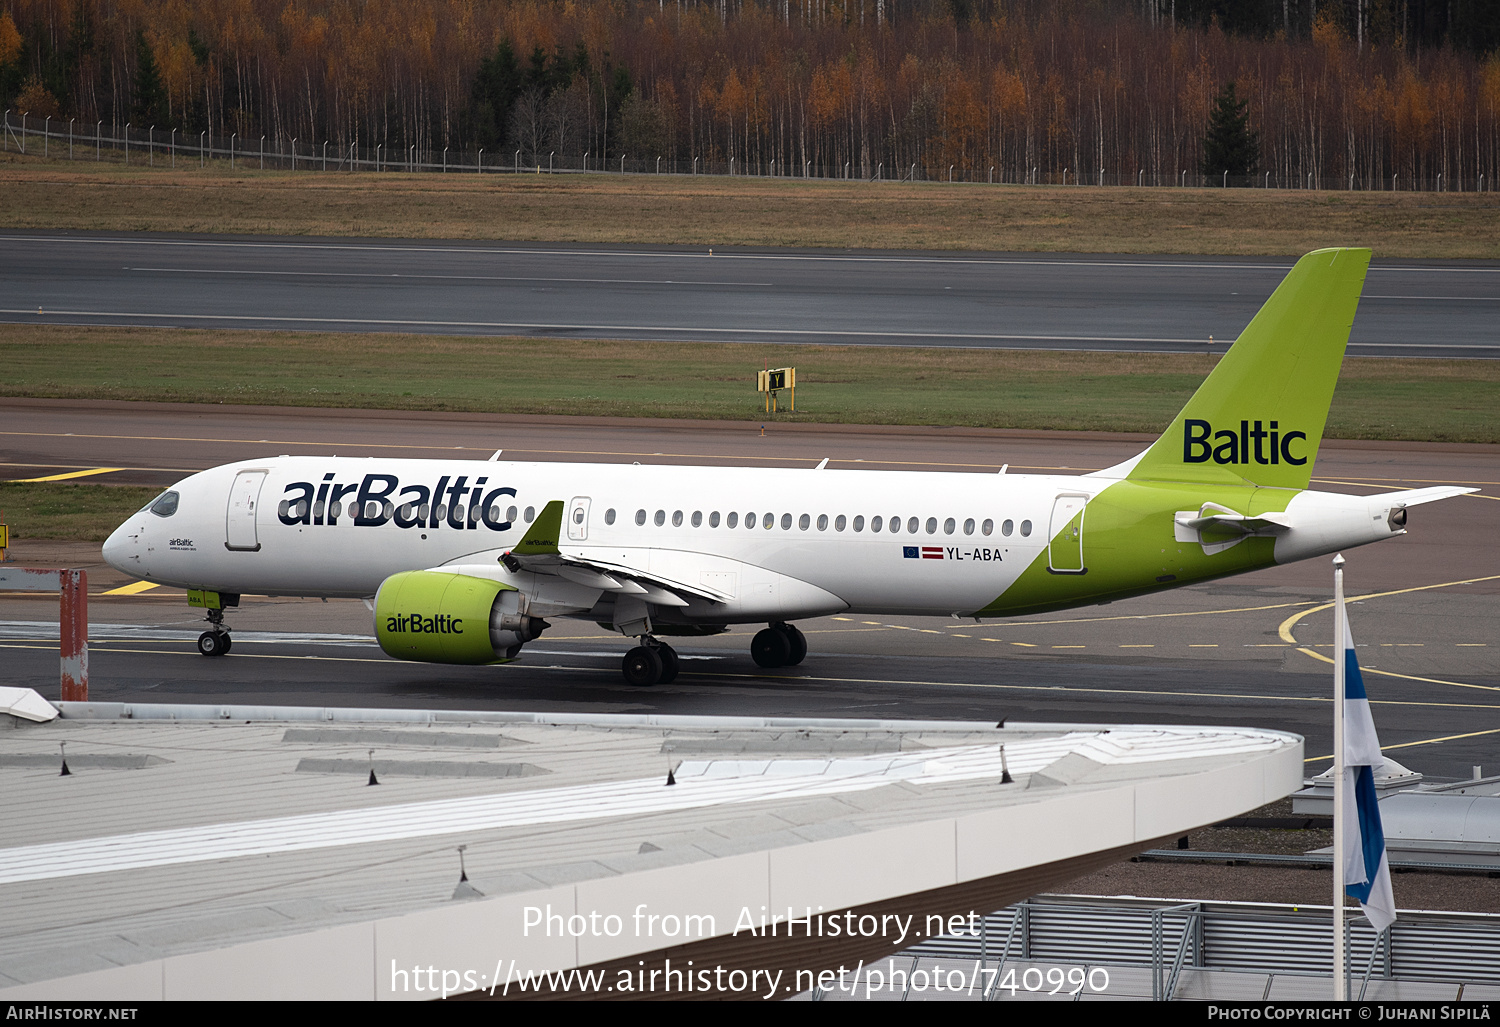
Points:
159	147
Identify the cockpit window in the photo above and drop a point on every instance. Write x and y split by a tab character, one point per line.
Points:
165	505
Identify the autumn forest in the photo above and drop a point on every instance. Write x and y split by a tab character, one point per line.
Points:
1340	90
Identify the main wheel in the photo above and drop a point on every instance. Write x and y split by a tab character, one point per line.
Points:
642	666
797	641
770	648
668	657
213	643
227	640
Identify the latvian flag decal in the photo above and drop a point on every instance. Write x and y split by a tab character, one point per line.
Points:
923	552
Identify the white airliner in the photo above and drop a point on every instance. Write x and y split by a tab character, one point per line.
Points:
465	560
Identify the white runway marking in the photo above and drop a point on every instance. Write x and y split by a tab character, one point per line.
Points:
250	319
701	252
439	278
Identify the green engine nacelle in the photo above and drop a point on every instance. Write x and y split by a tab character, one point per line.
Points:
438	617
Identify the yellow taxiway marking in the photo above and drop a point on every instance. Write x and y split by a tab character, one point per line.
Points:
1424	741
1373	485
68	474
1203	645
1145	645
1158	616
1285	631
1419	481
134	588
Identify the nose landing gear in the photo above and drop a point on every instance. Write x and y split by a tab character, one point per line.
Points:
653	662
215	641
780	645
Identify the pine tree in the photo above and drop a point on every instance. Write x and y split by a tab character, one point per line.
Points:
496	86
1229	145
150	106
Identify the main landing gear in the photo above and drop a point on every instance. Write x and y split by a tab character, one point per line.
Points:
653	662
780	645
215	641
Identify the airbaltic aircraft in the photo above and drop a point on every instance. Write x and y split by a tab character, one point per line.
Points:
464	561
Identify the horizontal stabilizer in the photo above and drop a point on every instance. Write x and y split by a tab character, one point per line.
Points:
1416	497
1268	523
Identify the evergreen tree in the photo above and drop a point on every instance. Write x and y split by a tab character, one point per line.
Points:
496	86
150	106
1229	144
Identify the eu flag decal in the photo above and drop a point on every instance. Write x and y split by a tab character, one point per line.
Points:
909	552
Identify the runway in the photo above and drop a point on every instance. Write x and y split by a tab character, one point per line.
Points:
1243	651
1025	301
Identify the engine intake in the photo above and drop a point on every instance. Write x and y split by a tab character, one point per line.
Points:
439	617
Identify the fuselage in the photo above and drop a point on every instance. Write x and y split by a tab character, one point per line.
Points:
771	544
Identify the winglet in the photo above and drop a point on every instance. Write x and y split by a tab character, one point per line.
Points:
542	539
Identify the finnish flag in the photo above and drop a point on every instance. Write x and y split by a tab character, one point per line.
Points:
1367	874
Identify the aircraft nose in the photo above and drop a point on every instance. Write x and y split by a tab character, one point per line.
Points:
118	548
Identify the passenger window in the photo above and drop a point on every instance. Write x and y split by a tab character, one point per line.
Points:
697	518
803	522
912	524
640	517
969	526
510	514
165	505
769	521
822	522
875	523
676	518
895	524
932	525
530	514
578	516
949	526
1025	528
749	521
733	520
609	516
838	523
660	518
713	519
1008	527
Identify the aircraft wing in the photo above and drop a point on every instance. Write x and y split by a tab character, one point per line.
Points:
613	570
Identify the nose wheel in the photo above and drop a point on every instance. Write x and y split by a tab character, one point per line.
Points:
779	645
653	662
215	641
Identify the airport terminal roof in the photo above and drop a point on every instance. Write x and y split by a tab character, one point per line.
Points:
189	846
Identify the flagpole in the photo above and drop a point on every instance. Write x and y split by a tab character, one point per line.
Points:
1339	992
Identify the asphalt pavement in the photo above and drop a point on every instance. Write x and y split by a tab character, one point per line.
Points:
990	300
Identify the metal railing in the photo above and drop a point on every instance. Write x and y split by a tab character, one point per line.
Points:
1264	938
166	147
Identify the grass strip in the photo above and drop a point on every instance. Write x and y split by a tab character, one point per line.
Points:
1420	400
743	211
56	510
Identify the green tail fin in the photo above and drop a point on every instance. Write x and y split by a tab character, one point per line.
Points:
1258	418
